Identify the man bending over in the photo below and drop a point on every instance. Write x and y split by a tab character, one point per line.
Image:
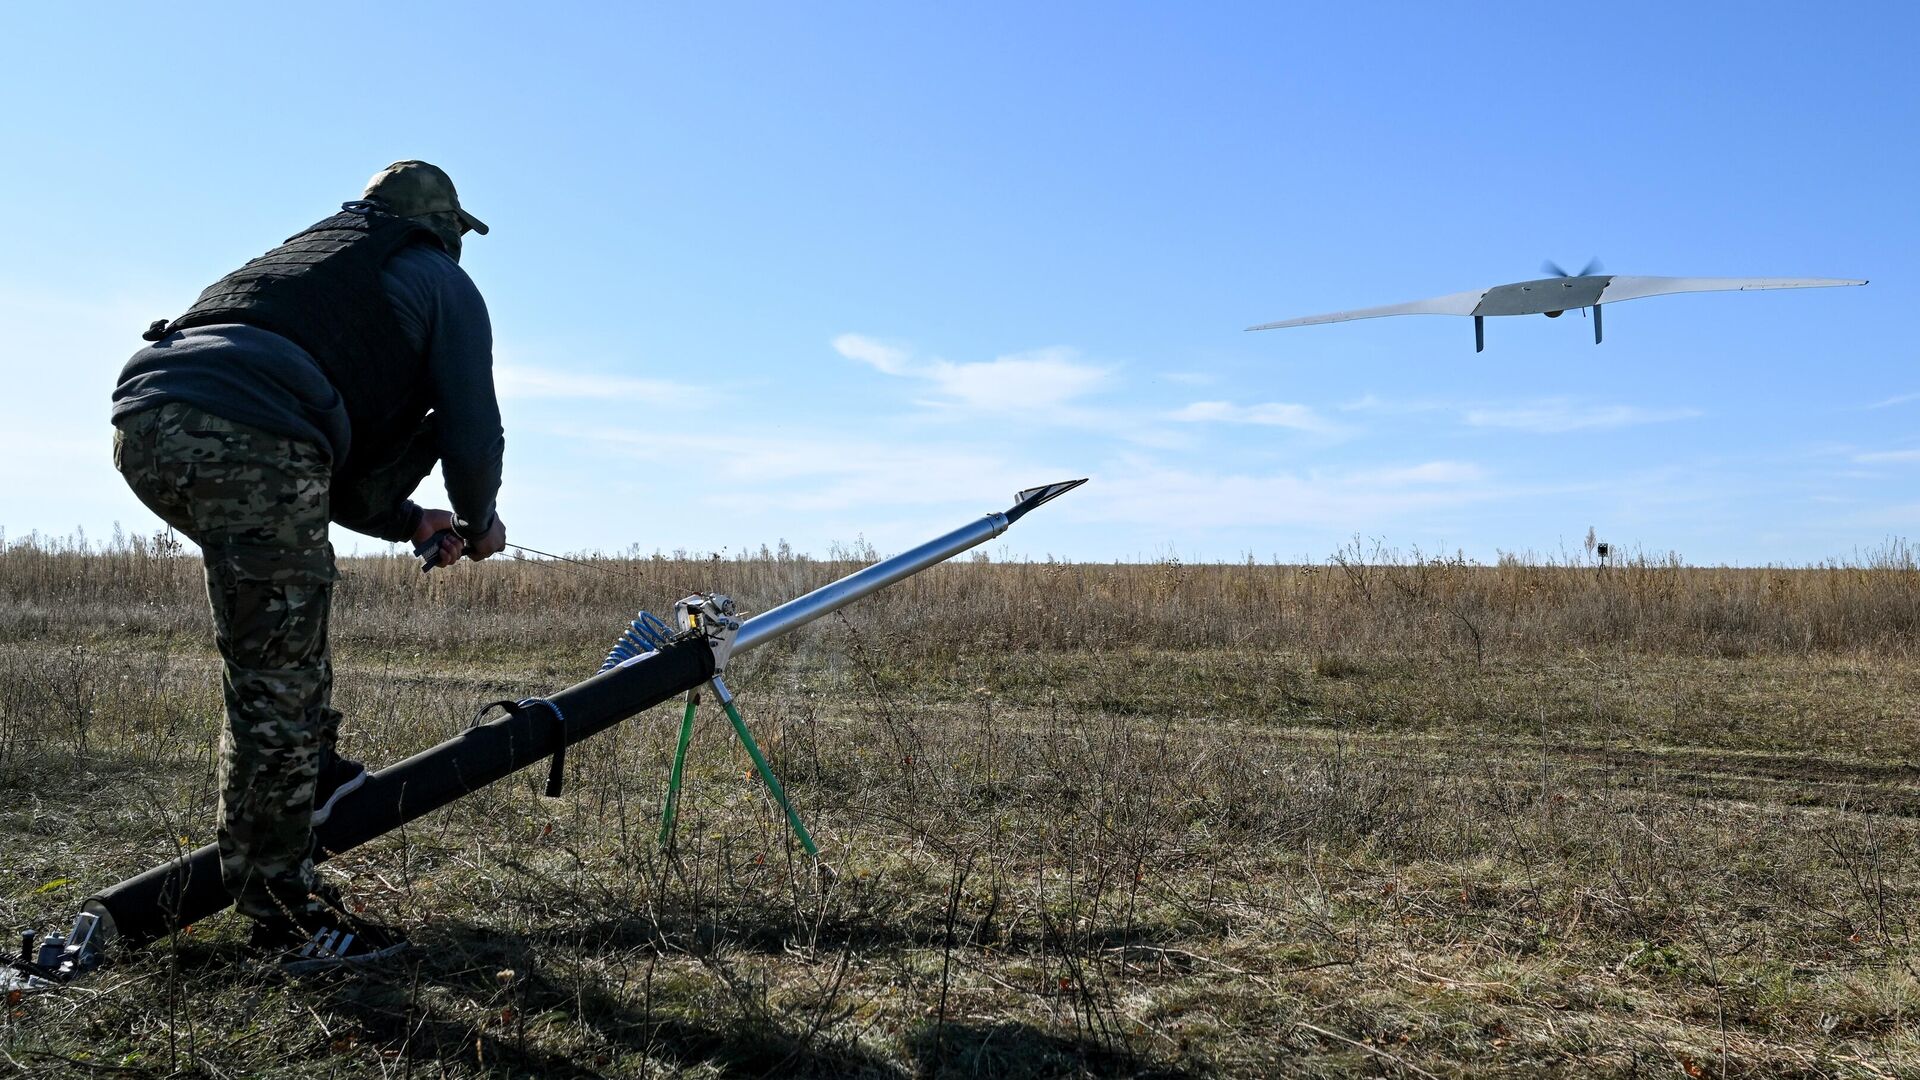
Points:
318	383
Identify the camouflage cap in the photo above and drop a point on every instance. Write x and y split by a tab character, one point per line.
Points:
413	188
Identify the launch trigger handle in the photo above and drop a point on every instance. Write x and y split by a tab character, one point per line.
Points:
428	550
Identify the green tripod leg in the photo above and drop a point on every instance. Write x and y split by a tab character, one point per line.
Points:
760	762
679	764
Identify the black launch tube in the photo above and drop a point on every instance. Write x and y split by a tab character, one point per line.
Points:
188	889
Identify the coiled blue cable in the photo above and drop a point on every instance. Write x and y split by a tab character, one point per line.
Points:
644	635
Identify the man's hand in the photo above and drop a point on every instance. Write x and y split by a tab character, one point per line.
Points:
493	542
437	525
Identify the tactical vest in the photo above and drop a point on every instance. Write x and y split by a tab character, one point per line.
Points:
322	291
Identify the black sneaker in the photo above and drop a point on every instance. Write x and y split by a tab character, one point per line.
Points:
338	778
331	939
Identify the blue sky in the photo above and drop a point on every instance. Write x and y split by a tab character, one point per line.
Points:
830	272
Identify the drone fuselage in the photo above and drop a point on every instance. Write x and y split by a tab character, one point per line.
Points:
1544	296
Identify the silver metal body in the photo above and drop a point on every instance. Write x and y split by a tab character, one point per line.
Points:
827	599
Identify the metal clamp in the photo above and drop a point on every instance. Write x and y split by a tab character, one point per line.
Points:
713	616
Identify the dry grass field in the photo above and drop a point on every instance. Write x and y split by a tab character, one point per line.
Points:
1388	815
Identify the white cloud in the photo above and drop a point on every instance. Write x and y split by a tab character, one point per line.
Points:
1897	399
885	358
1887	457
525	383
1271	413
1375	404
1431	472
1036	380
1554	417
1191	378
1144	493
1040	379
815	472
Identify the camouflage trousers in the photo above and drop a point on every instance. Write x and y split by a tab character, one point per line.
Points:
256	503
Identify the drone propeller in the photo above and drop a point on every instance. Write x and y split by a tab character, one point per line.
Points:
1554	268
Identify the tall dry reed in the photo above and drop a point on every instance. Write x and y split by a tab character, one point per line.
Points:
1358	602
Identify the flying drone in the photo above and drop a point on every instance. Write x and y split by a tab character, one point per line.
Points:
1555	296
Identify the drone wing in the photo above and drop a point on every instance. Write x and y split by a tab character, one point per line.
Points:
1453	304
1633	288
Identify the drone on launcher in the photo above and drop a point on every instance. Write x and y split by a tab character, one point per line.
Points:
1555	296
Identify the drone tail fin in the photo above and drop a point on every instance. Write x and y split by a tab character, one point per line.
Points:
1596	324
1479	333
